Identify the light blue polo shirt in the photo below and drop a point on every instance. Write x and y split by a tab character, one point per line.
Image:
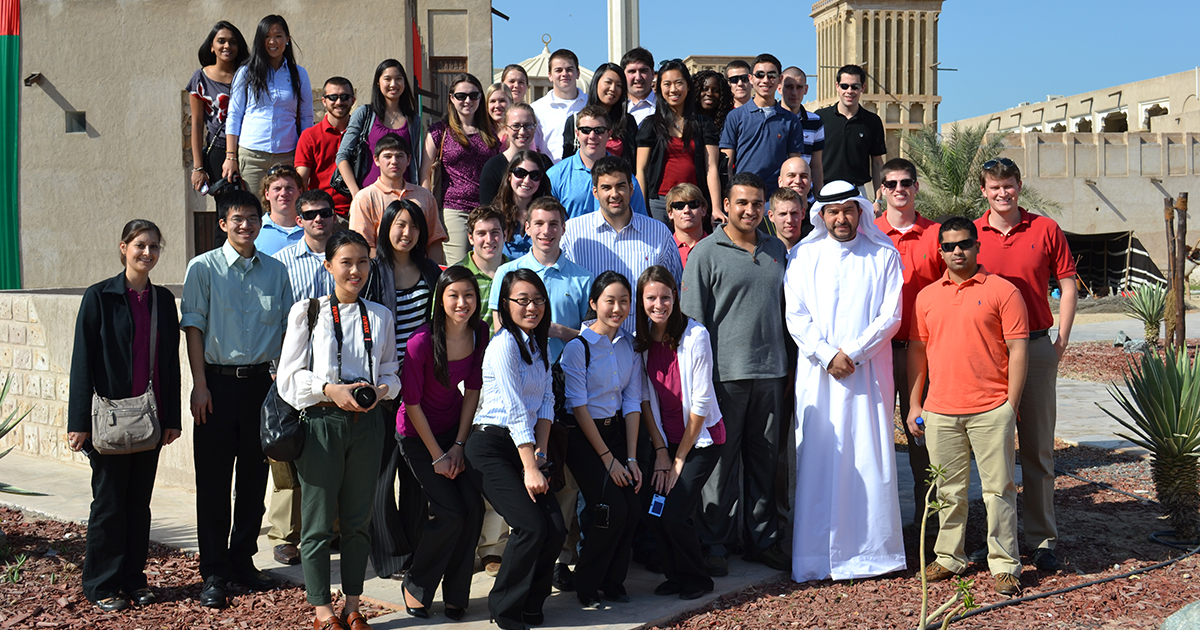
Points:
571	185
568	285
273	237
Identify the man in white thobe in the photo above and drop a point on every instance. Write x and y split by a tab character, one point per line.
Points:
842	292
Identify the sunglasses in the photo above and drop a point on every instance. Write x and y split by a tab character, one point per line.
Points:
903	183
667	61
991	164
963	245
462	96
522	127
311	215
850	86
587	131
738	78
281	168
521	173
338	97
766	75
694	204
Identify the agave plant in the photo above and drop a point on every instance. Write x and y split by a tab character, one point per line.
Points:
1148	304
6	426
1164	403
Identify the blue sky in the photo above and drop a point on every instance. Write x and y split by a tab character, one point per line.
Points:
1006	52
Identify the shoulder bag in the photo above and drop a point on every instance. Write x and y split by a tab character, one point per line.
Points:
280	431
360	157
129	425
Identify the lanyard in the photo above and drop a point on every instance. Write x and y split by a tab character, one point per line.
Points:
337	335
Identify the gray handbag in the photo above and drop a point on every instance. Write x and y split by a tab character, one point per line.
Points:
129	425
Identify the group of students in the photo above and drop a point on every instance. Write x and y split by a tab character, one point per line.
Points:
452	312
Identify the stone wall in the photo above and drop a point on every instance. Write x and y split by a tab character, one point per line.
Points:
37	332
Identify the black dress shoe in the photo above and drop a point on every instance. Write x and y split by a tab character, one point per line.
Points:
213	594
533	618
694	593
508	624
455	614
562	578
1045	560
254	579
143	597
286	553
112	604
668	588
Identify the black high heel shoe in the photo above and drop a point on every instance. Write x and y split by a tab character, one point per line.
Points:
419	613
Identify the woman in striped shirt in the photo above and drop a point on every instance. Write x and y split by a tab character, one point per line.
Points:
402	279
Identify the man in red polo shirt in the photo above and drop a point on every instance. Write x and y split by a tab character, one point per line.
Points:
917	240
972	342
1027	250
318	145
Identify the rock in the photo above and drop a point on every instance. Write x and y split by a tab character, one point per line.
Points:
1122	339
1137	345
1186	618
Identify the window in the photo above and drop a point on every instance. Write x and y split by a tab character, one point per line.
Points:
76	122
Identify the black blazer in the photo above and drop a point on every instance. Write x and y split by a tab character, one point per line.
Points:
103	353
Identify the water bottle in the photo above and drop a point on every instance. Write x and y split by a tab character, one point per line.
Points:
920	441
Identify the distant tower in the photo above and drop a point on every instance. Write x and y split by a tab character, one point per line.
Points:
895	41
622	28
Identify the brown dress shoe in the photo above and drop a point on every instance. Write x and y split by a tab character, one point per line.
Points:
287	553
937	573
355	621
1008	584
332	623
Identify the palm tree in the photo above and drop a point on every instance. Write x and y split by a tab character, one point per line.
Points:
949	169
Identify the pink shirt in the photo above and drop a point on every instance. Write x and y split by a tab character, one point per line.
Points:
441	405
663	367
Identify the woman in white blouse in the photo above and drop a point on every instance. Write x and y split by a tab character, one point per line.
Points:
684	424
337	373
506	453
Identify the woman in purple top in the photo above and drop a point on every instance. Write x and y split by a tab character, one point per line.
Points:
433	422
393	109
459	145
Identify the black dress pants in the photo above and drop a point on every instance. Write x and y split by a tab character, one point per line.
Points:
227	442
447	551
395	527
604	559
675	531
537	536
118	533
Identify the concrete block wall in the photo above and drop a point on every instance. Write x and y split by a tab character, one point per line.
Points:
37	333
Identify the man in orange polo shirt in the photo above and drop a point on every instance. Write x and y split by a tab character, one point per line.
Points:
1027	250
971	341
366	211
917	240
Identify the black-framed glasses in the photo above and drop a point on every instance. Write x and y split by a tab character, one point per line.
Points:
694	204
738	78
964	245
462	96
338	97
311	215
587	131
522	127
524	301
770	74
850	86
891	184
993	163
521	173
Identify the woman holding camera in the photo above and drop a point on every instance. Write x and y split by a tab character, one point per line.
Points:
603	379
434	421
685	428
507	452
337	372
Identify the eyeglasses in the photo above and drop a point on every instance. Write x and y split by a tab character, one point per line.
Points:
772	75
991	164
963	245
521	173
338	97
587	131
850	86
524	301
738	78
311	215
462	96
903	183
694	204
522	127
240	220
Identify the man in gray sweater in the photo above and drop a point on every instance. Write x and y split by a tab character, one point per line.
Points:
733	285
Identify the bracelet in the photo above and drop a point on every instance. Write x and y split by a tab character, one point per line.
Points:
540	454
444	456
661	469
630	460
606	453
661	448
198	169
230	157
457	443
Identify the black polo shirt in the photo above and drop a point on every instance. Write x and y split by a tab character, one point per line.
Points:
850	143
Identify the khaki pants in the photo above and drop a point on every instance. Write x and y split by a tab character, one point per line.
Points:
493	538
253	166
456	245
568	502
1035	437
284	514
951	440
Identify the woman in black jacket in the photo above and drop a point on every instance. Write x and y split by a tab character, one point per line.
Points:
112	359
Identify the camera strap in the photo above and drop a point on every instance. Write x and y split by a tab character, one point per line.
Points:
337	335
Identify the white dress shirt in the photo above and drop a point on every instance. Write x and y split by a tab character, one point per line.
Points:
552	113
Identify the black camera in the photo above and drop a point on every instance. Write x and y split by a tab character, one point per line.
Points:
222	186
600	516
365	395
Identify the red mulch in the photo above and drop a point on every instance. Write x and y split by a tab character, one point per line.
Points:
48	593
1100	362
1103	533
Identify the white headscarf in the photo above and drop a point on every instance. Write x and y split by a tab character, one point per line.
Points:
837	192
